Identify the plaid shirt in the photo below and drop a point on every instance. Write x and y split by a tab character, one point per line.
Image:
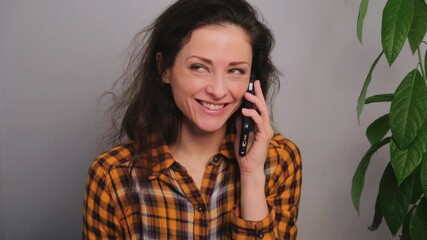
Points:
170	206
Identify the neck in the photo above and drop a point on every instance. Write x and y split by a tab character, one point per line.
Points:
196	147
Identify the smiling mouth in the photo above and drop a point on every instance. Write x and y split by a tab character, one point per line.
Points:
211	106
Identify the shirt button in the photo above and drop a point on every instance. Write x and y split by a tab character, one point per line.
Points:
260	235
200	208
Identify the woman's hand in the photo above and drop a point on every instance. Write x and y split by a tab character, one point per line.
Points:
253	203
259	138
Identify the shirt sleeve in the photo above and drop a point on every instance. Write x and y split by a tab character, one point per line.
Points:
283	190
100	220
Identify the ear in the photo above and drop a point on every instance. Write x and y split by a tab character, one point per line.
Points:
164	72
159	60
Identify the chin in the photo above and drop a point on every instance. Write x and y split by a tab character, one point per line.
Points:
210	127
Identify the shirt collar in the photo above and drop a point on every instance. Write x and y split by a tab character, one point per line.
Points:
227	146
163	159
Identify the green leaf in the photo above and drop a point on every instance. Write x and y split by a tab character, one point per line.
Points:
405	161
423	175
394	200
361	100
359	175
417	190
379	98
418	224
396	22
408	109
362	13
419	25
378	129
406	234
378	216
425	63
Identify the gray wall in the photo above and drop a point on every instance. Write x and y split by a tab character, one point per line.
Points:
58	57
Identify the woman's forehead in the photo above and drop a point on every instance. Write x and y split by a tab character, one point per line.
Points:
218	41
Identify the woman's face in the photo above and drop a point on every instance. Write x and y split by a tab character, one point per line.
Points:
210	76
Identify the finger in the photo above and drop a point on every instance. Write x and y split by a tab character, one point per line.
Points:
259	105
262	124
258	90
251	140
260	95
252	113
261	133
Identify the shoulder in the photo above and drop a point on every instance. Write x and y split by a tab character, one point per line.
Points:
107	184
284	156
114	158
285	147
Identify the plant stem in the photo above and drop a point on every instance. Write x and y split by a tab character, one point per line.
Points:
421	64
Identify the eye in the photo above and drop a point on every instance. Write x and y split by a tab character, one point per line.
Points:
236	71
198	67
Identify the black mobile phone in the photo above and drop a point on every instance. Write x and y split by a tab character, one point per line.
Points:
247	122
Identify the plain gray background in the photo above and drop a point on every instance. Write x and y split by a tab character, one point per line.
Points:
58	57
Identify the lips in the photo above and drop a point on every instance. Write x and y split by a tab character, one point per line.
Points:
211	106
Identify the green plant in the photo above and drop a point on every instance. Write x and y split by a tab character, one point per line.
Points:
402	196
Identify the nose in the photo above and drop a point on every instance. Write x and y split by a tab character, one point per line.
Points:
217	87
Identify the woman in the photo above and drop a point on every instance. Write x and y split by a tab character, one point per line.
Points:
178	174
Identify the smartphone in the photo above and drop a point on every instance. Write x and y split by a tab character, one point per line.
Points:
247	122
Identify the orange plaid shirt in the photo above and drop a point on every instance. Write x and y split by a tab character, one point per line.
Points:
170	206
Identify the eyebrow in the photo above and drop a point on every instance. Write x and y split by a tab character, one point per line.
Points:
206	60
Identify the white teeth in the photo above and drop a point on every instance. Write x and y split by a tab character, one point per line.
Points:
213	107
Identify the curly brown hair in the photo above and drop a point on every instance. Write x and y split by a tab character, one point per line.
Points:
146	105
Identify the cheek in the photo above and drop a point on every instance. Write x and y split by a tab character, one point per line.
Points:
240	89
183	91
